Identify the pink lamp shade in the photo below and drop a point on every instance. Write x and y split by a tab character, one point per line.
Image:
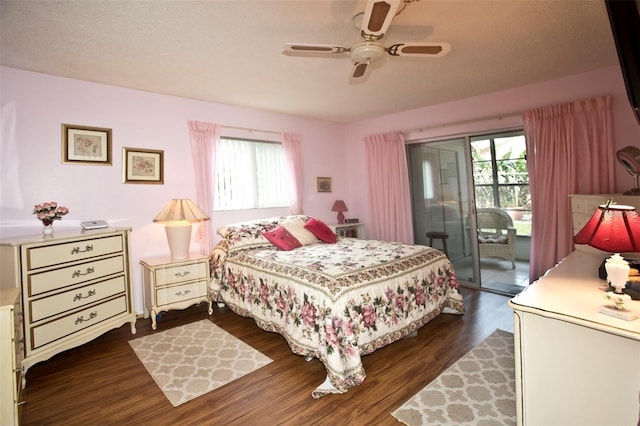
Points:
613	228
339	206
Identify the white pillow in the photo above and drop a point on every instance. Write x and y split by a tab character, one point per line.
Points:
297	229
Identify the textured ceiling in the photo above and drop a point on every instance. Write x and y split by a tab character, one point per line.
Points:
231	51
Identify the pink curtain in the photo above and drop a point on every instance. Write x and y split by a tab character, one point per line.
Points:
570	150
204	137
389	200
292	144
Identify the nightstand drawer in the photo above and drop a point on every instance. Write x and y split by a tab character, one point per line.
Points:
181	273
38	257
181	293
52	331
76	274
76	298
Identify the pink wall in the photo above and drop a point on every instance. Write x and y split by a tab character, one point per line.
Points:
34	106
478	114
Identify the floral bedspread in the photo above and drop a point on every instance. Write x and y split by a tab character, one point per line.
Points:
338	302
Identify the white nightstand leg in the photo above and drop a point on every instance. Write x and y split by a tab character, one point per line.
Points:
154	316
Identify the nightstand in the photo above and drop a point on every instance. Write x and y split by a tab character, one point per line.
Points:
350	230
174	284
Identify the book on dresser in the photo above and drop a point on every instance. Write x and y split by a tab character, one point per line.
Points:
74	286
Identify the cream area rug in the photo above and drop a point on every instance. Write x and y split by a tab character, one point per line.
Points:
196	358
479	389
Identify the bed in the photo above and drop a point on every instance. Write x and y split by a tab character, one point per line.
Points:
332	298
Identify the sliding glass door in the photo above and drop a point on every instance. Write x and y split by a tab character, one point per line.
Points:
450	180
441	199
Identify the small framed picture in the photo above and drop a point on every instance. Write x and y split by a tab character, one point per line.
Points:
86	145
453	169
142	166
444	177
324	184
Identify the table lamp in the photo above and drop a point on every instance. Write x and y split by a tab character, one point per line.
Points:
616	229
339	206
177	216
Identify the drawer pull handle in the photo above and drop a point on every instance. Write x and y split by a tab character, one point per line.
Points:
181	274
79	296
81	319
76	250
76	274
180	293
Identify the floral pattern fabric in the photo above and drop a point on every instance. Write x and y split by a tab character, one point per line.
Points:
337	302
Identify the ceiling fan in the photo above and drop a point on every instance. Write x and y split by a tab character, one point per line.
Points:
377	17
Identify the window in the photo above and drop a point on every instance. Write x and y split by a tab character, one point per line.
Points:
500	176
250	174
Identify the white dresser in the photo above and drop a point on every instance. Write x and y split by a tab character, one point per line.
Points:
574	365
174	284
10	354
75	286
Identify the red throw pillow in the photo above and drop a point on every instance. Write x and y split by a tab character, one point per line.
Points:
321	230
282	238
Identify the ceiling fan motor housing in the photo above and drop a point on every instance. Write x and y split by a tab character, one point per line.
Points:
367	51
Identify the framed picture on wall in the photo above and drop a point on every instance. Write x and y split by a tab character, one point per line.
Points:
142	166
86	145
323	184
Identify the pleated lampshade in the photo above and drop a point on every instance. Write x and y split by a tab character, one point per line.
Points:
613	228
180	210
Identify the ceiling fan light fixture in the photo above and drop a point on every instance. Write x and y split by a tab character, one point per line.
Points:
367	51
373	23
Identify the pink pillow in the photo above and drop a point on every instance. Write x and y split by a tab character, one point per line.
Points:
321	230
282	238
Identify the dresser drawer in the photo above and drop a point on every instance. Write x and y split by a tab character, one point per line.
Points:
76	298
38	257
579	221
181	293
59	278
54	330
181	273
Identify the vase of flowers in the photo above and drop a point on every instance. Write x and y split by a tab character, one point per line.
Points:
47	213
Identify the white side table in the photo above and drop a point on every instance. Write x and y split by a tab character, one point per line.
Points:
174	284
351	230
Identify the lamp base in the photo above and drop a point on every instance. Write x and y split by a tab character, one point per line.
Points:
618	313
632	288
179	237
340	218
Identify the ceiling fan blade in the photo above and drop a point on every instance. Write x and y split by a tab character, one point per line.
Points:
378	16
433	50
359	69
314	48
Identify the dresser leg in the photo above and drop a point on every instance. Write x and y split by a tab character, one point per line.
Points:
210	307
133	326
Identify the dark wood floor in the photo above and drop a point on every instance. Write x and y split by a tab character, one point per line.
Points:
103	382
